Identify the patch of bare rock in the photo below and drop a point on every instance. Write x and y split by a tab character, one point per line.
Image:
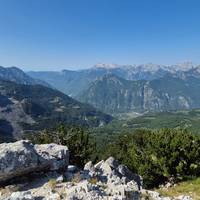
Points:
42	172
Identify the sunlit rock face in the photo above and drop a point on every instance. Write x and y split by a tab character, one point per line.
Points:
22	157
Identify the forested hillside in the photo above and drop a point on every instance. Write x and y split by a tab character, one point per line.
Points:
35	107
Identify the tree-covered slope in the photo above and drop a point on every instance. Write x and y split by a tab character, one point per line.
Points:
35	107
185	119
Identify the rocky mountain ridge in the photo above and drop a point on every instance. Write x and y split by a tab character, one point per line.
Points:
113	95
16	75
75	82
135	89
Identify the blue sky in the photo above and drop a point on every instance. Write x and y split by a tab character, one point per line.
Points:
57	34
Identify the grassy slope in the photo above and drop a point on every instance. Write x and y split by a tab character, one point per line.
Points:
191	188
180	119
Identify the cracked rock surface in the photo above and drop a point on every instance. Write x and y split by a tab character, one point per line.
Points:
22	157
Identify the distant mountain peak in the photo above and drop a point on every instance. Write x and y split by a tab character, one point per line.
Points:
186	65
107	66
17	75
75	82
151	67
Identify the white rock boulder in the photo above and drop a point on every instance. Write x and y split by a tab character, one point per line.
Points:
22	157
21	196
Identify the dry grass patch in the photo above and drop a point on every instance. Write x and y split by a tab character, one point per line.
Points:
191	188
76	178
93	180
52	184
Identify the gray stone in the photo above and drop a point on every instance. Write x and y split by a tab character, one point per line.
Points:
55	157
98	165
154	195
53	196
72	169
21	196
22	157
89	166
126	172
112	162
16	159
106	169
183	197
60	179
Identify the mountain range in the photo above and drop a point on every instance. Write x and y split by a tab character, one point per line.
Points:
130	88
74	82
16	75
37	100
27	104
112	94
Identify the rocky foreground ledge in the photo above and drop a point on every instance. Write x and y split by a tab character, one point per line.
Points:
42	172
22	157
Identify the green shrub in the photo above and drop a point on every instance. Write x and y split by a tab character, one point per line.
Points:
80	143
158	155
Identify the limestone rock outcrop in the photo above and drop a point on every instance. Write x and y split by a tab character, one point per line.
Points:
106	180
52	178
22	157
20	196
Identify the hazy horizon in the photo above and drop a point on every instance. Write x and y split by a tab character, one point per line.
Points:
77	68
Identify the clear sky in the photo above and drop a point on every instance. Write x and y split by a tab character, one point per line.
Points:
45	34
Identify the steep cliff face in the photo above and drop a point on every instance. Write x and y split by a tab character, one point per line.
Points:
112	94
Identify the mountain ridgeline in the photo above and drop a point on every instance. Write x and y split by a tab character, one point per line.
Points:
35	107
74	82
27	105
16	75
28	101
118	89
116	95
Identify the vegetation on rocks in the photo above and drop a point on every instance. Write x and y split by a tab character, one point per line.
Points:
158	156
190	187
81	144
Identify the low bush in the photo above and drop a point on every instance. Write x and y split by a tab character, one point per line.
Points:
80	143
158	155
